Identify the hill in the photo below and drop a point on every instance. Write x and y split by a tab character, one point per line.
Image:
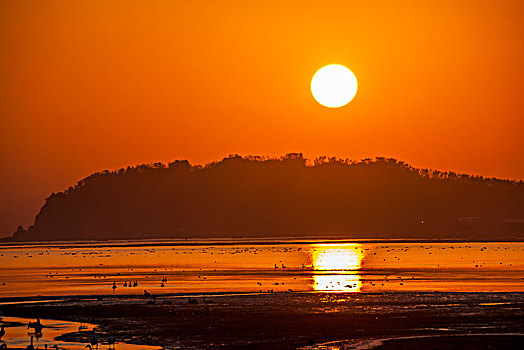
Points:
289	196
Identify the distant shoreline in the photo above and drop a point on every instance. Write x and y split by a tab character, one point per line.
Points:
240	241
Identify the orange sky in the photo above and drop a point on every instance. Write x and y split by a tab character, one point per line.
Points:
93	85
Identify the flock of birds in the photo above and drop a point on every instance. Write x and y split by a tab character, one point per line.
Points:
126	284
392	255
135	284
93	341
35	331
376	256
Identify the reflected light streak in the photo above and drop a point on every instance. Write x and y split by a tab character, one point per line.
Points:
335	267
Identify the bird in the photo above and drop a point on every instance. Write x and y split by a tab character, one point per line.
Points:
38	330
114	285
30	346
34	324
146	293
37	327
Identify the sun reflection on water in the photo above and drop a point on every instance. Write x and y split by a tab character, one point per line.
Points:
336	267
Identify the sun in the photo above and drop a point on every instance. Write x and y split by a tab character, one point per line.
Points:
334	86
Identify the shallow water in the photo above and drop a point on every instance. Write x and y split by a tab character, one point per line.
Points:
18	335
375	343
91	269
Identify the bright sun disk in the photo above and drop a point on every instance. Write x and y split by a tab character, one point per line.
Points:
334	86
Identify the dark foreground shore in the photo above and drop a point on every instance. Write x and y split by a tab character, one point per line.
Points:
295	320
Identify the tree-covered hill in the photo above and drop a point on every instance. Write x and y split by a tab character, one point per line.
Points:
289	196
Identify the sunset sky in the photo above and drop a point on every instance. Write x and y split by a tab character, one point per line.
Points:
93	85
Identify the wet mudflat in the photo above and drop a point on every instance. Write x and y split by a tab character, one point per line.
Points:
294	320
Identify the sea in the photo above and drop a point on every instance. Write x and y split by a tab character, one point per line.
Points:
46	269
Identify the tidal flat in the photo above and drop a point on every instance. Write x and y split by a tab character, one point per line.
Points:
257	295
294	320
